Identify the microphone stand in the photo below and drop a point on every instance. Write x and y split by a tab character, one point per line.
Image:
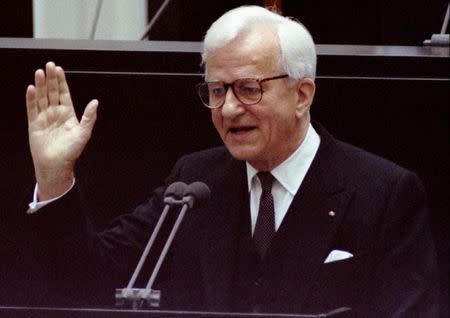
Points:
127	295
441	39
148	293
195	194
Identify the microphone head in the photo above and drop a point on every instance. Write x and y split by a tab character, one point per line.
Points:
175	190
196	194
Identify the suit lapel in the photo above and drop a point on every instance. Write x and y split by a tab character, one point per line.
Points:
314	216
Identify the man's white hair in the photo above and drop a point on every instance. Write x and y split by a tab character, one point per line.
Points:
298	54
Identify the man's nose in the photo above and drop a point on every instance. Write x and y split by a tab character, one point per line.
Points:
232	106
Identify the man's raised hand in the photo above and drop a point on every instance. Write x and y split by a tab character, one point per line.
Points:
57	138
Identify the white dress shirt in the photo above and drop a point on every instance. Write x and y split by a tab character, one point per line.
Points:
288	176
36	205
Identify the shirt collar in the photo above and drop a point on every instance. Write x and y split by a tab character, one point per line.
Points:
300	160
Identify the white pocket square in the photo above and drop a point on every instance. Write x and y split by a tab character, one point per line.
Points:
337	255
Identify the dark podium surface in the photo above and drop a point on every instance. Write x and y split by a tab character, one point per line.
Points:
36	312
390	100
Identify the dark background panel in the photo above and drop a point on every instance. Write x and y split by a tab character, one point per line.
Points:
145	123
379	22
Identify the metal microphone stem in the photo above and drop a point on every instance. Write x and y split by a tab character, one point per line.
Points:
146	250
165	249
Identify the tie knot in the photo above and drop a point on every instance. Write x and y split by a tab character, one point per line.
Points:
266	179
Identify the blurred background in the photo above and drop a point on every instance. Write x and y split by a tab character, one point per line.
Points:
376	22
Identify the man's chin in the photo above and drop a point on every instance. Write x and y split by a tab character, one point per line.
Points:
242	153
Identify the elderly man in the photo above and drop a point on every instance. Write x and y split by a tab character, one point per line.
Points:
297	222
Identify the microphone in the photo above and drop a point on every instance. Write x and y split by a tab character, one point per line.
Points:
178	193
174	192
195	195
172	196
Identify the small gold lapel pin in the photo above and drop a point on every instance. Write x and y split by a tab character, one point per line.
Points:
332	213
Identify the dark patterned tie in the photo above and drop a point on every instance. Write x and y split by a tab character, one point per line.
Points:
265	222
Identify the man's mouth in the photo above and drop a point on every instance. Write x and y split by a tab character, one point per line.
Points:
237	130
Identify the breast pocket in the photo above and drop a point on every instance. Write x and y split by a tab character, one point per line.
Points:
340	283
339	270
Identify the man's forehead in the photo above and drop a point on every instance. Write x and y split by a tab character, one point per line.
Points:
250	52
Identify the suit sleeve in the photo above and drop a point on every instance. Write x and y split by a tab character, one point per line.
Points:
79	265
406	276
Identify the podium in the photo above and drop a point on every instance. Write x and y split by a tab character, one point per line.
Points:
48	312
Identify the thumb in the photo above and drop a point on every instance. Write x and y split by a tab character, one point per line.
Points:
89	116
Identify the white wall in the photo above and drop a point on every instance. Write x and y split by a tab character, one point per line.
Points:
73	19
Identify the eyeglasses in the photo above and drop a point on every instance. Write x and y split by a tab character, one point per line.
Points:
247	90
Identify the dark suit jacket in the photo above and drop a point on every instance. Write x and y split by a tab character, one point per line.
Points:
380	217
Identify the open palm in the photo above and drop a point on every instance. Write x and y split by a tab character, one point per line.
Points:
56	136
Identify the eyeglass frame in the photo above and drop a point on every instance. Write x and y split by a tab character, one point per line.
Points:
228	85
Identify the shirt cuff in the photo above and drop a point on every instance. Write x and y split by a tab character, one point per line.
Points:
35	205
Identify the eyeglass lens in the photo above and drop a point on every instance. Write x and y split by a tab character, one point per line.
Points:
248	91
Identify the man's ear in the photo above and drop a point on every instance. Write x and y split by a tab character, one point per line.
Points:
305	94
